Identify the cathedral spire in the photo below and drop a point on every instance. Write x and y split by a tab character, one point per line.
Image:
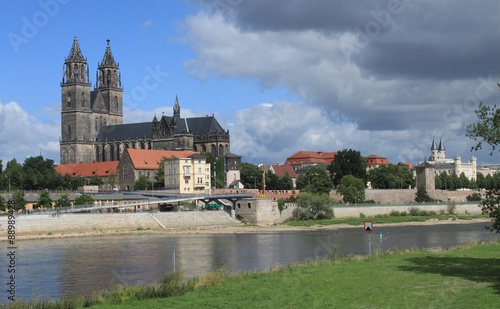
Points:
75	65
441	145
177	108
433	146
108	71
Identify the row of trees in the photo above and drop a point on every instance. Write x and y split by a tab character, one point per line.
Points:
37	173
44	200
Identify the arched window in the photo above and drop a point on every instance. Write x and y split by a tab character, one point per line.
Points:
213	150
116	103
96	125
83	99
69	132
68	99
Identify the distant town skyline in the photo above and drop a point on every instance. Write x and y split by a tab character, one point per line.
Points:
384	77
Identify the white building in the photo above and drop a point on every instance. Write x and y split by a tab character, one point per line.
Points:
190	175
441	163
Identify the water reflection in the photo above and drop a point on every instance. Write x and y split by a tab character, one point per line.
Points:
60	267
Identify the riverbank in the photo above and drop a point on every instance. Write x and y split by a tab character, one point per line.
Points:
236	228
463	277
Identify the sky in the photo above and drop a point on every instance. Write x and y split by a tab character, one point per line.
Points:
380	77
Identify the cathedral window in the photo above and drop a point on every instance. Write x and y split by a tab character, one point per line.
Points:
83	99
68	98
116	103
69	132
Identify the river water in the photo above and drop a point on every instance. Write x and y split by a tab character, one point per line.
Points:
55	268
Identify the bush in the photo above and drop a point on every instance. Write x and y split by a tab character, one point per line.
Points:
432	213
473	197
394	213
451	208
362	215
414	211
404	214
313	206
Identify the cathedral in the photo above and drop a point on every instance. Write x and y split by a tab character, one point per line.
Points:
92	128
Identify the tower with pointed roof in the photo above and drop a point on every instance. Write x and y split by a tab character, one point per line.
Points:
85	111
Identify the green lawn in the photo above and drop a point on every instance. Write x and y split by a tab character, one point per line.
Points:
381	220
467	277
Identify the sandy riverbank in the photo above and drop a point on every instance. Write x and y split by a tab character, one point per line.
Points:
226	229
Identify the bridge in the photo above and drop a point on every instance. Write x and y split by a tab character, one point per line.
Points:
160	198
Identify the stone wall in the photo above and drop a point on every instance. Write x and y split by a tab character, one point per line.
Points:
43	224
258	211
355	211
398	196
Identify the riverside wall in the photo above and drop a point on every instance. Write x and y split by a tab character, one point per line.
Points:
49	223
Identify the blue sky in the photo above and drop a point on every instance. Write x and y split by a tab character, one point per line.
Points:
382	77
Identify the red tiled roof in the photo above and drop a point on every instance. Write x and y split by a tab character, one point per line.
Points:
281	170
148	159
101	169
376	160
312	156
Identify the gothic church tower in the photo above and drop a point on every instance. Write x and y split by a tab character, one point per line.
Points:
84	112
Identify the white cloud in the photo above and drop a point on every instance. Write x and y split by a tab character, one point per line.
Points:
23	135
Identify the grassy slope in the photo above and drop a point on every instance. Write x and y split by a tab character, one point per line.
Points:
462	278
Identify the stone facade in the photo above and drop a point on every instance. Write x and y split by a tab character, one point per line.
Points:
92	126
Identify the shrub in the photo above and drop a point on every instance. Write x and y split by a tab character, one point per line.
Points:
424	213
451	208
395	213
432	213
474	197
313	206
414	211
212	279
404	214
362	215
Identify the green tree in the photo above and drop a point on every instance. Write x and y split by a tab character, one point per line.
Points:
347	162
272	181
422	195
13	175
142	183
286	182
77	182
160	174
63	201
463	181
352	189
487	130
391	176
3	205
96	181
84	199
19	201
481	181
113	180
315	180
40	174
44	200
312	206
251	176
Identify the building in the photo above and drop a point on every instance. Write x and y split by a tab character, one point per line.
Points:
188	174
303	159
107	171
137	162
441	164
92	126
374	161
232	164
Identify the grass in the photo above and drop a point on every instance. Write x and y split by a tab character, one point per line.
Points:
380	219
465	277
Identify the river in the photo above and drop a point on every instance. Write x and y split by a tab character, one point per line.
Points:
55	268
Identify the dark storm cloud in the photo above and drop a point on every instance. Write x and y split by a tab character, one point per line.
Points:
419	40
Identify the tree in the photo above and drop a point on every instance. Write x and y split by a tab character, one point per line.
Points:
63	201
422	195
487	130
44	200
251	176
352	189
286	182
160	174
84	199
347	162
312	206
3	206
142	183
315	180
40	174
391	176
96	181
18	198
